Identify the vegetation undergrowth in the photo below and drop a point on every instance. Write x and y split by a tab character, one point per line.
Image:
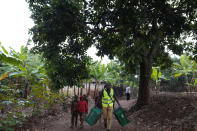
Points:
16	111
24	88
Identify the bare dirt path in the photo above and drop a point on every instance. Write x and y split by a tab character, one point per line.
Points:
167	112
63	123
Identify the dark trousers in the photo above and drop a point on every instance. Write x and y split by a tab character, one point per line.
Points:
128	96
74	118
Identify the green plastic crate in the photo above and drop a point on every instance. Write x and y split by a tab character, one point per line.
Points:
120	116
93	116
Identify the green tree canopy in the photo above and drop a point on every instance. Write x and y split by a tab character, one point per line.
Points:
137	32
60	34
141	32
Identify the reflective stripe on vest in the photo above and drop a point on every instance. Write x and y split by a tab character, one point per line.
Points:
106	100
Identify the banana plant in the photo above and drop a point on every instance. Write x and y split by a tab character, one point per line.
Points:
156	76
23	64
186	67
98	73
8	63
194	72
113	73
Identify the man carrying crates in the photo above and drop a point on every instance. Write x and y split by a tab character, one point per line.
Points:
108	99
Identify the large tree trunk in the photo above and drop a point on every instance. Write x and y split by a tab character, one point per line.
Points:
144	83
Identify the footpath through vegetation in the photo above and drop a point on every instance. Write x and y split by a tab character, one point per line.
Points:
169	112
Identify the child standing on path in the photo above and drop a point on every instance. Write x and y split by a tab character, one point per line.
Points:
82	108
74	111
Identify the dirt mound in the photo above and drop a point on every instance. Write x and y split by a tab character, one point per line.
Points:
168	112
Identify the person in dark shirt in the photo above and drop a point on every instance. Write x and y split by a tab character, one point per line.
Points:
98	103
98	100
74	111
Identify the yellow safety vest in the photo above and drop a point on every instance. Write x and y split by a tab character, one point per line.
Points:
106	100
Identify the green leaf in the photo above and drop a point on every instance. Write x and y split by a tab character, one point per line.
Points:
154	74
195	83
9	60
177	66
22	49
160	74
22	68
15	74
35	71
5	68
165	78
4	50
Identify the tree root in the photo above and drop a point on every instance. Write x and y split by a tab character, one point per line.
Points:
133	109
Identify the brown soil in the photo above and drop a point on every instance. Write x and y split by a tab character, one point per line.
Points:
167	112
